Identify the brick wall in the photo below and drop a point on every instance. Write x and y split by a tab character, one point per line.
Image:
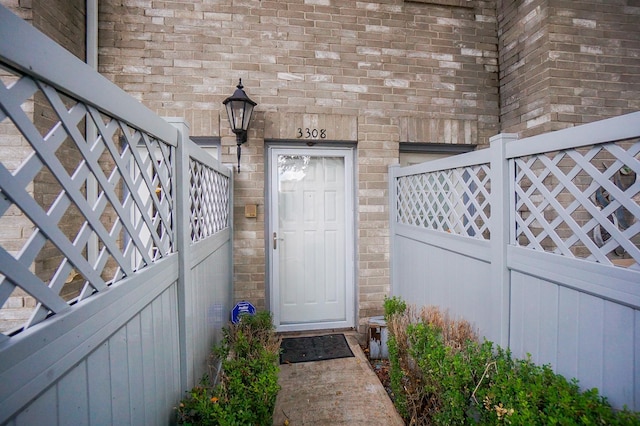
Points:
61	20
564	63
383	63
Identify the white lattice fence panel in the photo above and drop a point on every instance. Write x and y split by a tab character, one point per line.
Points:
78	214
209	201
581	203
453	200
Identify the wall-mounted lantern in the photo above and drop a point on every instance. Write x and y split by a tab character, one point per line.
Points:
239	109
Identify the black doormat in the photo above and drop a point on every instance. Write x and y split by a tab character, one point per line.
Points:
316	348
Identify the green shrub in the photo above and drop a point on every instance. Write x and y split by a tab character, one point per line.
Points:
444	377
394	306
248	384
520	392
449	373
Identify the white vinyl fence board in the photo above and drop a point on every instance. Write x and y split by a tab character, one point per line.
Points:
210	307
619	351
149	384
568	351
590	340
534	318
72	394
120	396
42	411
98	386
136	377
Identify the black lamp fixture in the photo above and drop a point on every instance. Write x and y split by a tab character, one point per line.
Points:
239	109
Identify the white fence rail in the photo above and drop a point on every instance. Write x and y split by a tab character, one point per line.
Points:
536	242
116	240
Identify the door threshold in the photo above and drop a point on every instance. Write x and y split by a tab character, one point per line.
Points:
321	332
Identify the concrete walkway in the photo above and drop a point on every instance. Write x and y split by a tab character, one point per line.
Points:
333	392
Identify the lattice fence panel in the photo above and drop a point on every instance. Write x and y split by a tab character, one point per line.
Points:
454	201
581	203
76	214
209	201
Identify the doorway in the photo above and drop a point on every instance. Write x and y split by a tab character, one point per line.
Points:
311	238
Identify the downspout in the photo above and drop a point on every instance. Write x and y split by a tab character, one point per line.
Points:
91	55
92	34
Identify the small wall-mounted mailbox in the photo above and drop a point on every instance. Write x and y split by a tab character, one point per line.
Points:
250	210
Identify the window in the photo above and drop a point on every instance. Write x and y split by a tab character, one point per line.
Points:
417	152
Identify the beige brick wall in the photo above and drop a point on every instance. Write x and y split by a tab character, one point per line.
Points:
564	63
63	21
382	63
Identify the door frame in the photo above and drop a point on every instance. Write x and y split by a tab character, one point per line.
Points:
272	290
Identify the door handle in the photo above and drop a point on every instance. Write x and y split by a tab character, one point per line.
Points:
275	240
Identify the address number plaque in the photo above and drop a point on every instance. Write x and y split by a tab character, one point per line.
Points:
308	133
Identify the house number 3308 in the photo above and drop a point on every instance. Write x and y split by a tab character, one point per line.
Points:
312	133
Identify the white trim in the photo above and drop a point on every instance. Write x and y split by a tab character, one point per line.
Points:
350	247
284	328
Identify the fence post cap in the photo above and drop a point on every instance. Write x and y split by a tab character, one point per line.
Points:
503	137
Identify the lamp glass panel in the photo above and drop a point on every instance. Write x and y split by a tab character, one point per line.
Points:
235	111
229	107
248	111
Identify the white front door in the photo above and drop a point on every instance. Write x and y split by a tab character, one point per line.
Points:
311	238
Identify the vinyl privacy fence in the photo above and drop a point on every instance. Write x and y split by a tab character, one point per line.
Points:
116	242
536	242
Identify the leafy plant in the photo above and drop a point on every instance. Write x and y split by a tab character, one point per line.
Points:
248	385
520	392
394	306
444	376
